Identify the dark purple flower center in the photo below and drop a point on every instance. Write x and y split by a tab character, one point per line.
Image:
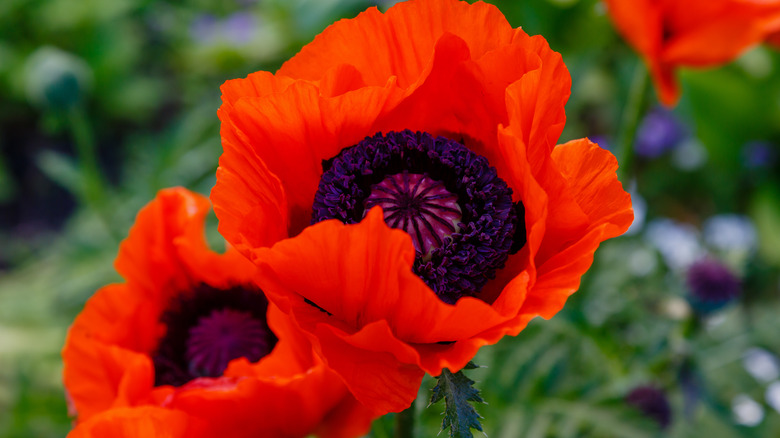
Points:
653	403
418	205
222	336
209	327
712	285
457	210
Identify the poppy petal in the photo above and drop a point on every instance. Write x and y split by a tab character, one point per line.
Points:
139	422
291	133
400	42
592	182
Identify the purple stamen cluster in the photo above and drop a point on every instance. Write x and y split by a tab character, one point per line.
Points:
206	328
222	336
426	176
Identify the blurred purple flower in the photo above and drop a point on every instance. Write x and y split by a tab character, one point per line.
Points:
653	403
659	132
239	28
759	154
204	28
711	286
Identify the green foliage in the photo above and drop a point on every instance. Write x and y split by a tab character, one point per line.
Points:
458	393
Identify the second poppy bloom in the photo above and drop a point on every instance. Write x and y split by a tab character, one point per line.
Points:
418	206
692	33
188	341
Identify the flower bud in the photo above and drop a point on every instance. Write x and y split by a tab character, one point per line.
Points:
56	79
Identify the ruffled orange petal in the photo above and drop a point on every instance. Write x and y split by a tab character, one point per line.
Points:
338	280
348	419
465	98
370	280
400	42
289	134
166	251
140	422
100	376
591	180
250	407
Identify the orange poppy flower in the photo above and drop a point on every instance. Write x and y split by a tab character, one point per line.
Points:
501	224
692	33
189	331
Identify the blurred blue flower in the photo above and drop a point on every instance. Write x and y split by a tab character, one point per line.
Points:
773	395
653	403
640	212
711	286
689	155
239	28
204	28
761	364
731	233
759	154
747	411
659	132
678	243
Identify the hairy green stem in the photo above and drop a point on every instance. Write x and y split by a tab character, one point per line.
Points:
630	120
404	422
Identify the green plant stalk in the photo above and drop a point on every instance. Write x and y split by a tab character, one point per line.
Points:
93	185
630	121
404	422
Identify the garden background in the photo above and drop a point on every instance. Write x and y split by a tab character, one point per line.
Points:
145	77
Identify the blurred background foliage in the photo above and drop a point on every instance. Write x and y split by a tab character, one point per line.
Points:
102	103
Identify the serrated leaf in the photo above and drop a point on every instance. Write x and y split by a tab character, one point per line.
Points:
458	393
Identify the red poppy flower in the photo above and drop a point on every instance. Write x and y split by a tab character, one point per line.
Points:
501	224
189	331
691	33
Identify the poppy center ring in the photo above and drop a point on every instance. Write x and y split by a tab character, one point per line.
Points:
451	202
418	205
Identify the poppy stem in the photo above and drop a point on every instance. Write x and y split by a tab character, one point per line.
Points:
404	422
630	121
93	185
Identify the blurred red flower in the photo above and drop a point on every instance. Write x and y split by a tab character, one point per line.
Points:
691	33
188	331
502	222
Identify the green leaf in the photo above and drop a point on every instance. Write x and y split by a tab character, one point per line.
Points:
458	392
61	169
